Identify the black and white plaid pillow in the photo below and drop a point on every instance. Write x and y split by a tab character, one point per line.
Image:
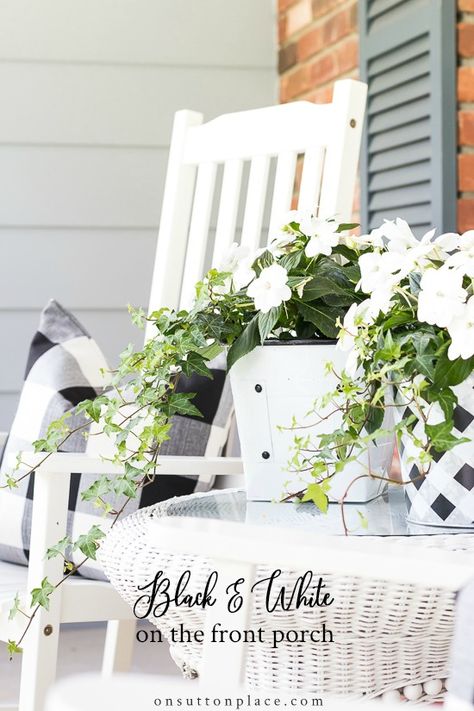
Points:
64	368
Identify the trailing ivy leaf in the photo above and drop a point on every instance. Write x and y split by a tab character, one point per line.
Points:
125	486
246	342
323	317
59	548
446	399
99	488
423	364
452	372
266	322
315	493
40	596
13	648
15	608
363	520
441	437
211	352
374	419
180	404
88	542
195	363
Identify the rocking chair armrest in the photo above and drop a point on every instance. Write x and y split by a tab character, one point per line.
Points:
66	463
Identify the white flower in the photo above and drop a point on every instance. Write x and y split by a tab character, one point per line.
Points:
348	331
464	258
441	297
270	288
376	269
399	235
461	330
381	299
449	241
238	262
323	235
374	239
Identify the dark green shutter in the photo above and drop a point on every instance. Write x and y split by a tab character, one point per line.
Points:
408	59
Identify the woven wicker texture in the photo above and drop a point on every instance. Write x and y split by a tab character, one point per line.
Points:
386	635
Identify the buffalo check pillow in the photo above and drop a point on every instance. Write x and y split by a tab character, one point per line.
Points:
65	367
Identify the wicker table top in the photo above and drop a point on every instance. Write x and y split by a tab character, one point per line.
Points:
384	516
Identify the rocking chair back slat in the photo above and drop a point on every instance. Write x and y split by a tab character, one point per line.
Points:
199	230
327	137
282	189
255	203
228	209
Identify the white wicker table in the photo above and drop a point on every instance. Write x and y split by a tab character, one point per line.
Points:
387	636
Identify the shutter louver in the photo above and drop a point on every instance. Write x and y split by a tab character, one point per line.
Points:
408	59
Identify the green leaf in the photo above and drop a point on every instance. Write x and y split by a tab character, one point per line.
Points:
211	352
324	286
398	319
363	520
414	281
99	488
40	596
59	548
423	364
180	404
13	648
15	608
195	363
266	322
374	419
344	226
245	343
88	542
323	317
442	438
292	260
124	486
315	493
452	372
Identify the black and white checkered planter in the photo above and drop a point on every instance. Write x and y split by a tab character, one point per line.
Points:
445	497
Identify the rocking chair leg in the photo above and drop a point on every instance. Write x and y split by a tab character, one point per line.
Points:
39	661
118	650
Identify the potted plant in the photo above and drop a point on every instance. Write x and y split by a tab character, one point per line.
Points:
286	355
410	346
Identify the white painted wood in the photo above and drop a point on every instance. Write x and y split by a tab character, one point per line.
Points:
118	650
170	32
282	191
342	151
175	215
40	649
255	202
228	209
198	232
267	131
308	198
168	465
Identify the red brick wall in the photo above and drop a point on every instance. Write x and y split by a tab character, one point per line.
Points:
466	114
319	44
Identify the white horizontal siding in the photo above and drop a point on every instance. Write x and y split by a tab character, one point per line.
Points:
185	32
88	95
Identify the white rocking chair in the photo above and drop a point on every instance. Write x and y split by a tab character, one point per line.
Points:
327	137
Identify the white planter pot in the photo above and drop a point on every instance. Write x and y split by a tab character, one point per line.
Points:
445	497
272	384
